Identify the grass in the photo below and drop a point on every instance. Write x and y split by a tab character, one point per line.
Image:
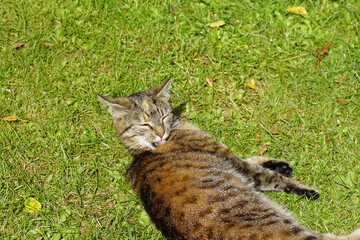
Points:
63	150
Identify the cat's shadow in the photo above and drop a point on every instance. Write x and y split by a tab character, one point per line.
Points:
180	108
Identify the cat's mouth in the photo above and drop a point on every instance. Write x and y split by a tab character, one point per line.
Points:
161	142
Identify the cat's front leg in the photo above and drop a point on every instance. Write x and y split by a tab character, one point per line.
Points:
276	165
268	180
271	175
266	174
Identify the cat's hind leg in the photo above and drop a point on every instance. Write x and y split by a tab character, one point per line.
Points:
277	165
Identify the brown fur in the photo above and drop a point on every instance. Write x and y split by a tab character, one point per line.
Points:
192	186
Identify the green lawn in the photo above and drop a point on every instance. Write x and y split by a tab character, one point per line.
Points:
55	56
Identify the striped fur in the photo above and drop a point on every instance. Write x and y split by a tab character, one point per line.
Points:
192	186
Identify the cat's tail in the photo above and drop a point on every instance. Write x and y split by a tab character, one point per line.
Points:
355	235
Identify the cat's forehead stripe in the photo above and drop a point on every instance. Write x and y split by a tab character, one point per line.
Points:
146	105
159	111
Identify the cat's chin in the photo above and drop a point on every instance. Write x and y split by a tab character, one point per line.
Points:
161	142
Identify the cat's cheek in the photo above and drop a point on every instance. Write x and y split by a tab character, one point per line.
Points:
146	144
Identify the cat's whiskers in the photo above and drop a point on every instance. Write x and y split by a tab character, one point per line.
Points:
175	124
135	147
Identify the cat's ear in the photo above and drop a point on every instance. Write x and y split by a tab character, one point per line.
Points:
117	106
162	91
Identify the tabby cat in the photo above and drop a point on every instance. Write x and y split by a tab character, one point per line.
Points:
192	186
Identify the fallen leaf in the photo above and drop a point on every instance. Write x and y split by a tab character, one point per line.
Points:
32	205
85	230
11	119
209	81
217	24
293	43
111	204
48	44
274	132
251	84
262	151
18	45
342	101
296	10
6	90
321	52
341	80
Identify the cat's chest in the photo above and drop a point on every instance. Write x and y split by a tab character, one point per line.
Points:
162	166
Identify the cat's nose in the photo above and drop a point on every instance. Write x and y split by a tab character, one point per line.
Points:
160	131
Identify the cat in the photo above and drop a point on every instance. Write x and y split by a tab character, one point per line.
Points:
192	186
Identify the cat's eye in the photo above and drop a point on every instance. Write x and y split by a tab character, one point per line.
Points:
146	125
163	119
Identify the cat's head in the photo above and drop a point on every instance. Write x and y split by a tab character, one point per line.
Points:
143	120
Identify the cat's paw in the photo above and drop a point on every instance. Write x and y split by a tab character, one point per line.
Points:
312	194
279	166
309	193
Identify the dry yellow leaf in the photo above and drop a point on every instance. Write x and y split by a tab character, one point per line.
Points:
10	119
217	24
275	132
209	81
296	10
251	84
48	44
111	204
262	151
18	45
342	101
32	205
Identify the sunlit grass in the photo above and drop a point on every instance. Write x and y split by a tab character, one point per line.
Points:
63	150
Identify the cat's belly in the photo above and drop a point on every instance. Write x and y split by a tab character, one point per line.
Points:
201	195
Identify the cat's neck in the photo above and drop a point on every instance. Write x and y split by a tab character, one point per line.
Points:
186	137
